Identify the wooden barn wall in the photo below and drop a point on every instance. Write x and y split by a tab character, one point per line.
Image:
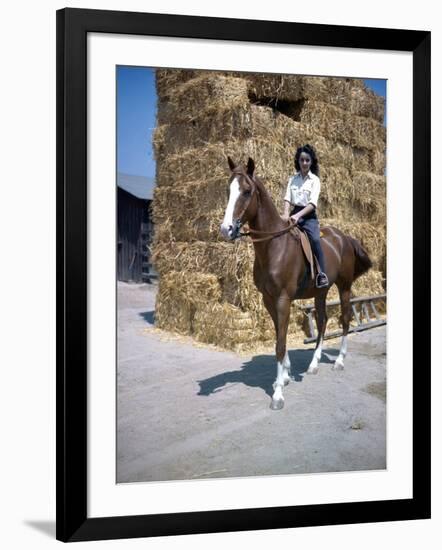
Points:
132	213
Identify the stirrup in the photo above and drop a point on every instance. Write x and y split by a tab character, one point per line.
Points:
324	278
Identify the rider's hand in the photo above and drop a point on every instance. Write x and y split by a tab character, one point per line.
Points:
294	219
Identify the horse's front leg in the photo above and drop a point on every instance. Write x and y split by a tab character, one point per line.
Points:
286	365
282	307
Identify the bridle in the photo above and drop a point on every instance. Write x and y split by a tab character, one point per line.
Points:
265	235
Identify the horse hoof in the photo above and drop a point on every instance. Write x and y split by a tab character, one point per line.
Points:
277	404
313	370
338	366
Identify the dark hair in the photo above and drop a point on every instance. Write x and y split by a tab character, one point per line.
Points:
310	151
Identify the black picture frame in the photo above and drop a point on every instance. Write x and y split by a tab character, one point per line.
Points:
73	523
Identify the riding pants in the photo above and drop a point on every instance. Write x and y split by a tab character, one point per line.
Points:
310	225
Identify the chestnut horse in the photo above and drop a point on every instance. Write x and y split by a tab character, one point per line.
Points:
280	271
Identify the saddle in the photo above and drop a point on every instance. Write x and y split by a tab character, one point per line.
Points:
308	253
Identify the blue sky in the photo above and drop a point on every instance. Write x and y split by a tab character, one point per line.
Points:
136	112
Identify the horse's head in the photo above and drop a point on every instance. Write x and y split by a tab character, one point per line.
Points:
243	197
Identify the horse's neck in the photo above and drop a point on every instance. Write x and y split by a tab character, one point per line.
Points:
267	217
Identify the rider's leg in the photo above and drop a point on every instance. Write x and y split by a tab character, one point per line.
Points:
311	227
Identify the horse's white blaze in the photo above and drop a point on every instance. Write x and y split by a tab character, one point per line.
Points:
226	226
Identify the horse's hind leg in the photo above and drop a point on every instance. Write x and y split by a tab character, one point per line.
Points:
321	322
344	293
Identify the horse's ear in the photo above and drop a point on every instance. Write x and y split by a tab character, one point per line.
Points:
250	166
232	165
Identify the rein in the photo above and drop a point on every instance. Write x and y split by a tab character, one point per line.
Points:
268	234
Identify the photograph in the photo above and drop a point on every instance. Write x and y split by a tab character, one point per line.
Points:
242	288
251	253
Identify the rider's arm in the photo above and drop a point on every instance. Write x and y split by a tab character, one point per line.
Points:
287	203
287	208
306	210
316	189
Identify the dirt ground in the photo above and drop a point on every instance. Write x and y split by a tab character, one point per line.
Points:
187	412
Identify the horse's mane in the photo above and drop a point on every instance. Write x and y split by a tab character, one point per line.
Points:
264	193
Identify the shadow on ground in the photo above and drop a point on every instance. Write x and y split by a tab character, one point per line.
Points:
260	372
149	317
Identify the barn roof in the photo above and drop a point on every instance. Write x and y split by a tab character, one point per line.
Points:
139	186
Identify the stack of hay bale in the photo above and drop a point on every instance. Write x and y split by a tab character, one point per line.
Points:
206	287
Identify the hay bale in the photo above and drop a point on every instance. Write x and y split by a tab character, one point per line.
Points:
209	320
206	285
231	263
273	159
202	97
232	124
231	328
173	314
366	160
352	196
370	197
224	325
280	133
221	259
340	126
189	200
176	225
347	93
194	212
179	296
274	87
221	126
197	289
210	161
166	80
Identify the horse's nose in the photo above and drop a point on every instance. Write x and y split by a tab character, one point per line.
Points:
226	230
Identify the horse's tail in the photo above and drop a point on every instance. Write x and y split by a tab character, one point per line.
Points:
362	259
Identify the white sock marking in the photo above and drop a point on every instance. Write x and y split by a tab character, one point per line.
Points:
342	351
316	357
278	383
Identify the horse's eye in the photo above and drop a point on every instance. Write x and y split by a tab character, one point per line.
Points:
247	193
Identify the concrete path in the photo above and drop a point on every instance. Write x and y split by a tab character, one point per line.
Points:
189	412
